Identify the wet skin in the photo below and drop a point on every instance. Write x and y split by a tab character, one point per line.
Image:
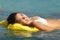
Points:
23	19
52	23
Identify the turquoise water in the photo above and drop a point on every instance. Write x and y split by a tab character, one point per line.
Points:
43	8
6	35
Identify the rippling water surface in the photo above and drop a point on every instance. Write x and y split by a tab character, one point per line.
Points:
43	8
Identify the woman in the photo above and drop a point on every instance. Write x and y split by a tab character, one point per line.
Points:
19	24
19	18
38	22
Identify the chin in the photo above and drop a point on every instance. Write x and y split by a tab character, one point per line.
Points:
28	23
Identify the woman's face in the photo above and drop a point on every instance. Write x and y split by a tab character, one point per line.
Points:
22	18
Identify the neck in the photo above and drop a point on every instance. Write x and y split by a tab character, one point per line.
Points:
30	25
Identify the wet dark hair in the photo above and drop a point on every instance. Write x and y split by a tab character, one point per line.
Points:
11	18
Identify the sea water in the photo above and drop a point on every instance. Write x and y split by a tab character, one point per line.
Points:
6	35
42	8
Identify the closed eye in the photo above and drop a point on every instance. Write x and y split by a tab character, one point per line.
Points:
23	18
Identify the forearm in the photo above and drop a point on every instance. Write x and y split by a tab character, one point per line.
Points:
42	26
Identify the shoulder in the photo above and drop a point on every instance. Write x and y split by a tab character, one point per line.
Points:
35	17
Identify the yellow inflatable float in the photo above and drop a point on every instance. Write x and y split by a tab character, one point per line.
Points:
15	27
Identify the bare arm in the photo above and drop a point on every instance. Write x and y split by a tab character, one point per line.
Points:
42	26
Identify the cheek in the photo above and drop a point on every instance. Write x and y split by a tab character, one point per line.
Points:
22	21
17	18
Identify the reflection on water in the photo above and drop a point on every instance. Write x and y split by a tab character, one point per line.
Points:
5	34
